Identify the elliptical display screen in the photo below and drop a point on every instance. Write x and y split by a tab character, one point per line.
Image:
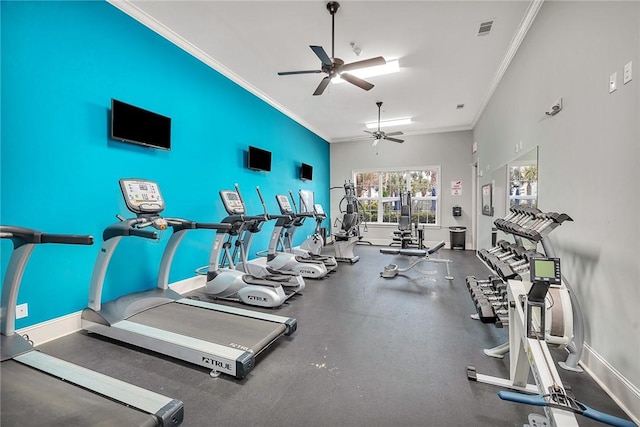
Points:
232	202
142	196
285	206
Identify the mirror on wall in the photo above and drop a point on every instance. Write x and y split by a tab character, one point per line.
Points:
523	180
516	183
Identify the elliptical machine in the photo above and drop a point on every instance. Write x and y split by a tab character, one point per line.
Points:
311	248
225	280
285	262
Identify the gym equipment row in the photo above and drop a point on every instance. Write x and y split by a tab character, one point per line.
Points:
564	321
64	393
529	353
164	321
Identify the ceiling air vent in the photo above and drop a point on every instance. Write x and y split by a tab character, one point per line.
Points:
485	27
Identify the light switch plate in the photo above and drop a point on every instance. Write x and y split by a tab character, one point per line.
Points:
626	76
613	82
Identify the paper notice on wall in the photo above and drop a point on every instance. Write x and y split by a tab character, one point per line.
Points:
456	188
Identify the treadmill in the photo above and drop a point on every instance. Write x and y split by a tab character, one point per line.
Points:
222	338
37	389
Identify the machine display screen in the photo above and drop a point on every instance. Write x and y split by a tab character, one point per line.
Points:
545	270
285	206
142	196
232	202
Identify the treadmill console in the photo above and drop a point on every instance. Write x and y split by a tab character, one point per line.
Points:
285	206
232	202
142	196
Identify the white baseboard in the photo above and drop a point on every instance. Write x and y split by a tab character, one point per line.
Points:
621	390
50	330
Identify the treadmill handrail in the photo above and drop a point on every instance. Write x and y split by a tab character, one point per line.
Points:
24	241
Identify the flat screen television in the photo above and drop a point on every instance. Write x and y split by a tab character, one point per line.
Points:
259	159
306	172
138	126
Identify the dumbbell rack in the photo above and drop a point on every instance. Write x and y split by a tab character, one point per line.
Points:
535	226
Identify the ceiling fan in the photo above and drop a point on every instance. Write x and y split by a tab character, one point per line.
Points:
380	135
335	66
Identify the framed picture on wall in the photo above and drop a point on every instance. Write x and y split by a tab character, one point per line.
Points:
487	203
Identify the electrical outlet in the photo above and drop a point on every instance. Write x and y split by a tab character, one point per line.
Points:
22	310
613	82
626	76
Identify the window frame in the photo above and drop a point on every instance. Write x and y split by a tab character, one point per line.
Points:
381	200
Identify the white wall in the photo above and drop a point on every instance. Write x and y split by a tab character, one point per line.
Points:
589	164
451	151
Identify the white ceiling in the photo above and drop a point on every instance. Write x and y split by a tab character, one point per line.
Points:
443	61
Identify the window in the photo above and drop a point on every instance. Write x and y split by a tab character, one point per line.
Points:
379	193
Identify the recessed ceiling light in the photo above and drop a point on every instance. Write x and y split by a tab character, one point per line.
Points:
388	123
392	66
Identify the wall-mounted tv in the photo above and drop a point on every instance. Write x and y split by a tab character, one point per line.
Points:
259	159
138	126
306	172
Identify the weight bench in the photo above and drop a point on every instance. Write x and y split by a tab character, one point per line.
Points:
392	270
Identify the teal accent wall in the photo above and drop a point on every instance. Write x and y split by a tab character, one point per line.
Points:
62	62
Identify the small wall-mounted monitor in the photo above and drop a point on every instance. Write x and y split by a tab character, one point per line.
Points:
138	126
306	172
258	159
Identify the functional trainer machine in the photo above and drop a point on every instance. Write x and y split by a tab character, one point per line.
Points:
422	255
243	280
161	319
529	353
63	392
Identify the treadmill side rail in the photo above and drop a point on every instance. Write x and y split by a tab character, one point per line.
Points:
218	358
169	411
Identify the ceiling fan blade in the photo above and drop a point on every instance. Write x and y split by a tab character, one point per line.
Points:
394	139
363	64
394	133
368	131
319	51
322	86
356	81
287	73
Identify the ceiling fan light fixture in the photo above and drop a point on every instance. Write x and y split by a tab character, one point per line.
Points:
389	123
392	66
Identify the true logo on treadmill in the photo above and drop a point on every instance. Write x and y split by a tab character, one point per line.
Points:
216	363
256	298
307	271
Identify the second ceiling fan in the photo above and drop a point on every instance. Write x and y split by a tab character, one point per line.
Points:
335	66
380	135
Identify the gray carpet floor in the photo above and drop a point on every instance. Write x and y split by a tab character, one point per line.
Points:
368	352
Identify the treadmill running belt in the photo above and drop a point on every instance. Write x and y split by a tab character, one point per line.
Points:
33	398
225	329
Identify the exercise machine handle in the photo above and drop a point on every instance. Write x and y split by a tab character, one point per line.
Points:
23	235
147	234
584	410
69	239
